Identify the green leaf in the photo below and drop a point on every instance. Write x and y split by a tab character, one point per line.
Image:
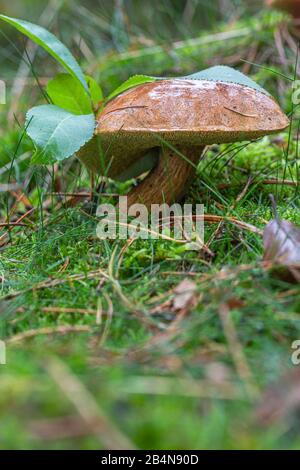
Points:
57	133
219	73
222	73
95	90
51	44
66	92
131	82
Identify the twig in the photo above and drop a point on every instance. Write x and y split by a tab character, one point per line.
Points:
83	194
13	224
264	181
279	182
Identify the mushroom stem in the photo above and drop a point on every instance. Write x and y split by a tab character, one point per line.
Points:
170	179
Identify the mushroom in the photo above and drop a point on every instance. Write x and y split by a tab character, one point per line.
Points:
291	6
163	127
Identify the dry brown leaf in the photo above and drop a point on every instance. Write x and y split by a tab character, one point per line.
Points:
234	302
281	401
65	427
282	246
184	294
183	299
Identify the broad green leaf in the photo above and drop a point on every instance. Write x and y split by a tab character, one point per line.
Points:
95	91
131	82
51	44
57	133
222	73
66	92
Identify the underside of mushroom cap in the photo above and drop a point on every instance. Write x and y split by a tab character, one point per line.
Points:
189	111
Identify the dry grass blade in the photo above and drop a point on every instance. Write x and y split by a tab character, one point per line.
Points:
109	316
239	223
61	310
236	351
87	407
180	386
181	46
55	282
13	224
62	330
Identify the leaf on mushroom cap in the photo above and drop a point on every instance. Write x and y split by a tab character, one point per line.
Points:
222	73
218	73
132	82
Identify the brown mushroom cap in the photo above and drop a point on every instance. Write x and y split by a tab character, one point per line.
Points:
187	112
180	115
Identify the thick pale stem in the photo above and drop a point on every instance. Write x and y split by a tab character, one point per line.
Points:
170	179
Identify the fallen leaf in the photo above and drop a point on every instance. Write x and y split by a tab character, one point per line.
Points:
183	299
282	247
234	302
184	294
65	427
281	401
